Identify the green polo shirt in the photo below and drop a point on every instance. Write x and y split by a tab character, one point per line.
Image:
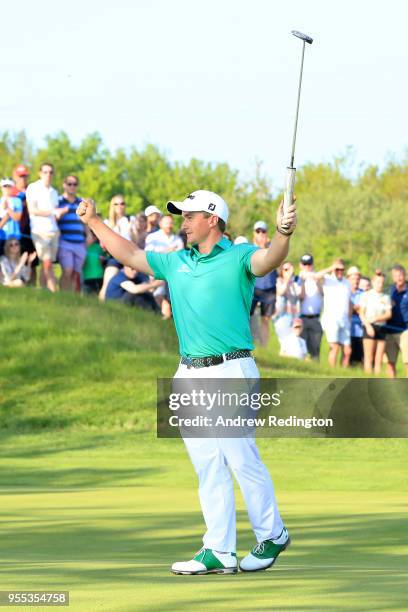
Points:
211	296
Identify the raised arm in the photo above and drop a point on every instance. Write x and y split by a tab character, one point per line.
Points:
121	249
264	261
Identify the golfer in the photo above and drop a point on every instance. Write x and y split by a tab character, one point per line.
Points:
211	289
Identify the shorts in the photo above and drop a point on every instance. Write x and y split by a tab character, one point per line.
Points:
27	245
379	334
337	333
46	245
92	285
394	343
71	255
267	299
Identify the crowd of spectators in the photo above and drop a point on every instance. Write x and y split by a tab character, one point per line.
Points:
364	325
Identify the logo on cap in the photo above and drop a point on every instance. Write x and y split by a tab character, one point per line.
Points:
211	207
190	197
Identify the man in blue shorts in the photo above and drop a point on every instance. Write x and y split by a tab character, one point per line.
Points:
211	288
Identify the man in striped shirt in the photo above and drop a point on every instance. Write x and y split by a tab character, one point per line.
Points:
72	246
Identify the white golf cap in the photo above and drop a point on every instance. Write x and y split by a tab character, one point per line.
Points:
7	182
150	210
201	201
261	225
241	240
353	270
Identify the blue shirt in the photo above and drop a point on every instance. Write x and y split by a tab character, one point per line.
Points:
399	316
12	228
267	282
71	227
114	291
356	325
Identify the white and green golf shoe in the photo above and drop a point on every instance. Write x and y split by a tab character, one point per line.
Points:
207	561
264	554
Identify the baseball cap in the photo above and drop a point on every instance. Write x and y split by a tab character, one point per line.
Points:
7	182
261	225
353	270
201	201
306	259
21	170
241	240
150	210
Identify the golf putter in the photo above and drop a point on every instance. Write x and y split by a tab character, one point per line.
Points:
291	170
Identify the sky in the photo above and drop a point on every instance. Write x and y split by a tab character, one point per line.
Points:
215	79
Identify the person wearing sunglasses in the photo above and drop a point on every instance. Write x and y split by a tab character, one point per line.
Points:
72	244
11	209
265	288
293	345
15	269
287	300
338	308
44	211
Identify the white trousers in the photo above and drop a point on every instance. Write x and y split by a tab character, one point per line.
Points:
216	459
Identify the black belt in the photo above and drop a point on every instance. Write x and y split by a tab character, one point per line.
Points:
206	362
309	316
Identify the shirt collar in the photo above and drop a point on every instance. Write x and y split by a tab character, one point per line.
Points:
222	245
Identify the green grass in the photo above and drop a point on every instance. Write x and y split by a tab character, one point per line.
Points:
94	503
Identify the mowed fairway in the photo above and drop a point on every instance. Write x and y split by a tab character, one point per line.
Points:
94	503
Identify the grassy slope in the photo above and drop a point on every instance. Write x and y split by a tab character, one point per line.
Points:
94	503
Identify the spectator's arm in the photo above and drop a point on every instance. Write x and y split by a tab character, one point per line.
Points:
14	214
4	220
384	317
135	289
121	249
322	273
34	210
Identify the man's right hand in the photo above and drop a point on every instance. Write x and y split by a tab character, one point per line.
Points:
86	211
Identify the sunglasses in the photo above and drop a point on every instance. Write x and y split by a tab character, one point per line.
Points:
120	204
297	327
12	244
260	231
72	184
339	269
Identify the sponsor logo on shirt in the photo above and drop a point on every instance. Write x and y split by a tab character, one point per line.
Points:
183	268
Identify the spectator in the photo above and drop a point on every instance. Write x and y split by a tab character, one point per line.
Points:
10	213
119	223
72	244
42	202
164	241
265	286
293	345
21	176
287	300
365	283
336	318
153	215
310	306
397	326
375	310
138	229
132	288
241	240
356	331
15	269
92	272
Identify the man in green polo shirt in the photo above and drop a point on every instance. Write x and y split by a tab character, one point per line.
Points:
211	289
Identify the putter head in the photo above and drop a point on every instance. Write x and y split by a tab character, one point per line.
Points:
304	37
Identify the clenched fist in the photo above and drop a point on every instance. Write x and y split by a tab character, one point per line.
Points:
286	223
86	211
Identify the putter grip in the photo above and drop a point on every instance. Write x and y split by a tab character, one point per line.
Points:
289	188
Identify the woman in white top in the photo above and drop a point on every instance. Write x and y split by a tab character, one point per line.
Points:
375	310
15	269
119	223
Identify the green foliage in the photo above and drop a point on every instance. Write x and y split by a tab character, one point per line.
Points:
363	220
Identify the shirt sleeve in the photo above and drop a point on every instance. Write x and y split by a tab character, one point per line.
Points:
159	263
17	205
245	254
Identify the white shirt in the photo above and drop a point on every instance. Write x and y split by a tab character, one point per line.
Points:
160	242
312	302
122	227
294	346
375	305
44	198
337	295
